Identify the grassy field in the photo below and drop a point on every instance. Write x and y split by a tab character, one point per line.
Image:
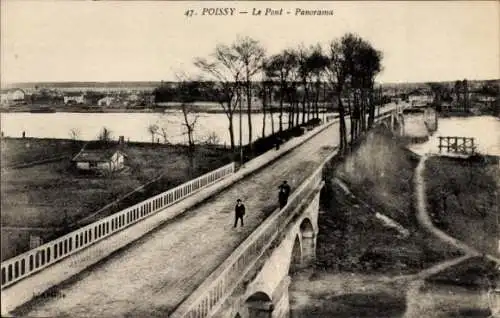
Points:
463	200
55	195
379	172
16	151
352	240
359	260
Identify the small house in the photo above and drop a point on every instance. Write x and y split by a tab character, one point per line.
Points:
108	101
12	96
99	160
74	98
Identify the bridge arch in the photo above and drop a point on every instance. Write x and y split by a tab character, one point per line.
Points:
308	239
306	228
259	305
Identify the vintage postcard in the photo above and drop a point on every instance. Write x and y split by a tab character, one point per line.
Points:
250	158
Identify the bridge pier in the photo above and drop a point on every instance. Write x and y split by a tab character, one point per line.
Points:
308	249
281	299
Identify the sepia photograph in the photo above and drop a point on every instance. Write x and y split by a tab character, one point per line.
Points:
250	159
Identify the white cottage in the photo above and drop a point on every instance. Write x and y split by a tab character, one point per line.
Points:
12	96
74	98
100	160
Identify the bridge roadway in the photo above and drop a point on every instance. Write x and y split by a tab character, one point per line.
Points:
155	274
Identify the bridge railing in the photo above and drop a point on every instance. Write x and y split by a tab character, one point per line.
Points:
211	294
206	299
34	260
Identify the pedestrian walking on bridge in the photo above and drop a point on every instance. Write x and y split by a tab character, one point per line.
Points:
283	194
239	212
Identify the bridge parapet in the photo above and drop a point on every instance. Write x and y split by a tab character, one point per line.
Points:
32	261
212	293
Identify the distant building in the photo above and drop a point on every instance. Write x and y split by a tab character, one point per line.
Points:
12	96
420	100
486	99
107	101
108	160
74	98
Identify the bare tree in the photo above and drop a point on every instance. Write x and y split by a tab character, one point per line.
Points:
366	65
153	130
105	135
225	68
74	134
190	118
316	64
212	139
250	53
337	71
278	68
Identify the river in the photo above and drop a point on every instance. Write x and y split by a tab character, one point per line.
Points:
485	130
134	126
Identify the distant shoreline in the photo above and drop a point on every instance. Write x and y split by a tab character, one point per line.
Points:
162	110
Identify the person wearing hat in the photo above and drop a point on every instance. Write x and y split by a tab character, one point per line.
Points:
239	212
283	194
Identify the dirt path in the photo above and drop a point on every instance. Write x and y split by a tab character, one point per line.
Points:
425	220
156	273
326	294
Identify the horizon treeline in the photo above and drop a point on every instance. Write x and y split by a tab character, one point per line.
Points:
300	81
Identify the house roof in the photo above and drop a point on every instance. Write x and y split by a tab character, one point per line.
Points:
9	90
73	94
96	155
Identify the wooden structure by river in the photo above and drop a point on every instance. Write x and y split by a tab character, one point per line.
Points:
457	145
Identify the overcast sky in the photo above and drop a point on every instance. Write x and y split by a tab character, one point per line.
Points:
150	41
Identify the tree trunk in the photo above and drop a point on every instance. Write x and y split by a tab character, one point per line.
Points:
282	92
371	119
342	126
271	112
231	131
304	101
249	110
318	91
297	111
241	131
264	105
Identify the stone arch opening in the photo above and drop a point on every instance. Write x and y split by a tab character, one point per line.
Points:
259	305
296	259
308	236
306	228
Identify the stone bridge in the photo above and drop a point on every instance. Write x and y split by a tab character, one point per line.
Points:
253	281
177	254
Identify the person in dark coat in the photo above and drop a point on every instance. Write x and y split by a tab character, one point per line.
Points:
239	212
283	194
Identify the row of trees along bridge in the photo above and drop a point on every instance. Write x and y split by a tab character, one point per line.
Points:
301	79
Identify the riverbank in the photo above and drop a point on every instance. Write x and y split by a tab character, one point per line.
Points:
365	268
351	238
207	109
